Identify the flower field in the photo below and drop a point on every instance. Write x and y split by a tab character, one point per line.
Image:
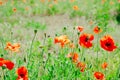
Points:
59	40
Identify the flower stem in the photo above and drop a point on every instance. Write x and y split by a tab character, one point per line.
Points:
82	56
32	44
30	50
2	44
3	75
107	62
97	51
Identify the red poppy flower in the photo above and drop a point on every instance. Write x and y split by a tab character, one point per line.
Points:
97	30
107	43
22	73
80	28
85	40
99	75
81	65
9	64
104	65
1	61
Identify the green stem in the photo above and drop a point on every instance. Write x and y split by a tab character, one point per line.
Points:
82	56
107	62
32	44
11	36
46	61
30	50
42	52
2	43
43	47
97	52
3	75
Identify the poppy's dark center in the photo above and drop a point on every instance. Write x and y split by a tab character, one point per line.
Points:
108	44
98	28
86	39
99	76
22	75
13	47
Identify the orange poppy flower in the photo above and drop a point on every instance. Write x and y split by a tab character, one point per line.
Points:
80	28
69	55
24	1
99	76
90	22
55	1
22	73
49	0
104	65
1	2
14	9
97	30
50	5
26	8
107	43
81	65
75	8
85	40
4	1
72	0
15	47
66	41
119	1
56	40
42	1
59	39
75	57
62	40
9	64
72	45
103	1
111	2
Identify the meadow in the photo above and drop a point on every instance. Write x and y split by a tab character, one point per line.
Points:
59	39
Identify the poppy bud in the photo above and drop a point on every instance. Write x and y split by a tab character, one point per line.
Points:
45	34
35	31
